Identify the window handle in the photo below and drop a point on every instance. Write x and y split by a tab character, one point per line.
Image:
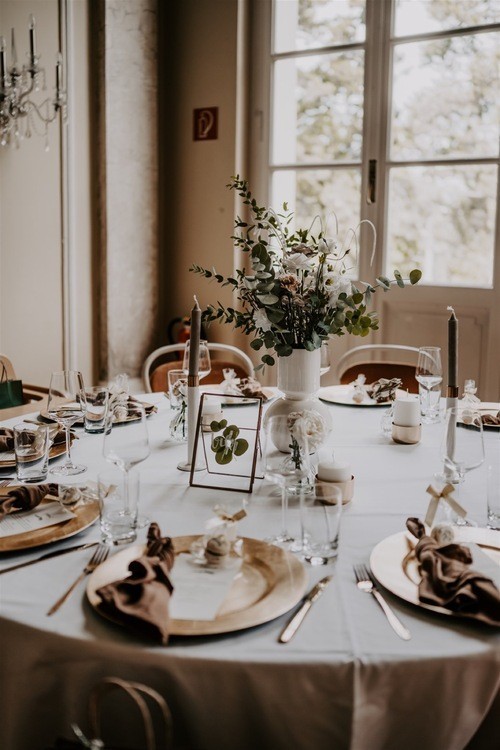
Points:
371	195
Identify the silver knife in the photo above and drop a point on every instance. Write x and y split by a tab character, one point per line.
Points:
291	628
48	555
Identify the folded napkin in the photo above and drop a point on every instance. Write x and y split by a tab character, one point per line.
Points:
447	580
7	438
25	498
142	600
383	389
232	385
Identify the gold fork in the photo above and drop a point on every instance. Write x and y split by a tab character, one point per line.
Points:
97	558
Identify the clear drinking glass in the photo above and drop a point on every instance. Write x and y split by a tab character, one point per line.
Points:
177	388
204	364
96	408
429	375
320	524
66	405
126	445
462	448
31	448
290	471
118	502
324	366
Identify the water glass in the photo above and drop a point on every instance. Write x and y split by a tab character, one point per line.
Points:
493	496
320	522
177	388
96	400
430	403
429	375
118	503
31	448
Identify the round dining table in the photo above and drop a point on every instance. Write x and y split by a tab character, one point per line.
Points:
345	680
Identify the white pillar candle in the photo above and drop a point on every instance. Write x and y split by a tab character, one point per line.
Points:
406	412
333	471
211	407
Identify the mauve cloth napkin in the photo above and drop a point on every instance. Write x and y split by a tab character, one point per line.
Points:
25	498
142	600
7	438
447	580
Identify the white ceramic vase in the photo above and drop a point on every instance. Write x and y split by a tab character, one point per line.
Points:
299	380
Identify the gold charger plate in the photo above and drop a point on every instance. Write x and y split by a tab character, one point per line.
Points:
85	517
270	582
342	394
386	564
54	452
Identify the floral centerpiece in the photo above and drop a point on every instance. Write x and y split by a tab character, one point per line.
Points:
296	291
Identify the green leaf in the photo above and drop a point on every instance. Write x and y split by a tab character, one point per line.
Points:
231	432
415	276
256	344
223	457
399	279
218	444
268	299
240	447
215	426
357	297
384	282
268	360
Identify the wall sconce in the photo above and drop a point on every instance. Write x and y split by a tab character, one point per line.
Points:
20	116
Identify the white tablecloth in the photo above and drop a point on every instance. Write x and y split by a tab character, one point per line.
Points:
345	680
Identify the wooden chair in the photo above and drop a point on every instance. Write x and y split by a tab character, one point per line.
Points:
155	375
347	371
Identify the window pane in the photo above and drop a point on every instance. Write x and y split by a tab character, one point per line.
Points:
318	108
307	24
443	219
318	193
446	98
423	16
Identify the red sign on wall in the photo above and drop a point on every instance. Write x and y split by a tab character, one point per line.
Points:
205	124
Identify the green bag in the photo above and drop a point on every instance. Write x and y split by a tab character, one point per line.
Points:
11	391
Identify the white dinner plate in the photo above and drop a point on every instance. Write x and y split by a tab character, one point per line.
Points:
342	394
387	557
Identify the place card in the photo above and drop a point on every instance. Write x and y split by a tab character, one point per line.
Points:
199	590
44	515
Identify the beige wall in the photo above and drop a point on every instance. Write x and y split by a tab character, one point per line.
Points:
33	313
198	39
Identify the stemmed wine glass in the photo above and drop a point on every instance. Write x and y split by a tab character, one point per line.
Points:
127	444
287	470
429	374
204	365
66	405
463	445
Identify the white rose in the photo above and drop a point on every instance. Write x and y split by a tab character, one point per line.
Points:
307	425
261	320
297	262
335	284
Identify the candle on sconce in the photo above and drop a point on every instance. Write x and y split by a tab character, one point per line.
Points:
58	74
452	355
13	51
406	412
3	70
194	341
32	39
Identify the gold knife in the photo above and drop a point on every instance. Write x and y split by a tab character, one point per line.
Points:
291	628
48	555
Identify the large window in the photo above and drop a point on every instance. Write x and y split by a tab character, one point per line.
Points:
390	110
